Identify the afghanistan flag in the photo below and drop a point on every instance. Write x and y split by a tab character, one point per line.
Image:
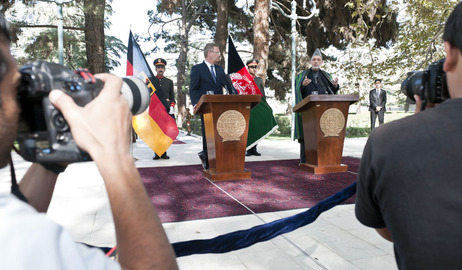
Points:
262	122
155	126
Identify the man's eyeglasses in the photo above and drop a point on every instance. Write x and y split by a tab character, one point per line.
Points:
252	66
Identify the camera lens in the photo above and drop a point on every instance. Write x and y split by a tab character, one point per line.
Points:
136	93
413	84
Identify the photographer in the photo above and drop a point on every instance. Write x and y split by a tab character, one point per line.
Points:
409	184
29	239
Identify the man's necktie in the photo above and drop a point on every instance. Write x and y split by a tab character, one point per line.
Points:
213	73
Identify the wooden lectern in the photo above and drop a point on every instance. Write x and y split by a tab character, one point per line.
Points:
324	123
226	121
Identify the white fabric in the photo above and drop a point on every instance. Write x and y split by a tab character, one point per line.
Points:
30	240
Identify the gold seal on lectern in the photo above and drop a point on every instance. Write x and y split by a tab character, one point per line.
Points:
231	125
332	122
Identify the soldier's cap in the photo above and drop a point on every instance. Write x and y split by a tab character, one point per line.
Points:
160	61
252	62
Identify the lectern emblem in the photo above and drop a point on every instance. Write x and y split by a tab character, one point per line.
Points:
332	122
231	125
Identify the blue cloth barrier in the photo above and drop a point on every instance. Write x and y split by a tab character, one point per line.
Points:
245	238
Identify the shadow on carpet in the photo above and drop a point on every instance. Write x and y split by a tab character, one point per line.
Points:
182	193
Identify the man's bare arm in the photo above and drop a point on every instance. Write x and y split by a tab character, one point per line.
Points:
102	128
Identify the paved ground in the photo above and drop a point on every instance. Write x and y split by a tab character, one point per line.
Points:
336	240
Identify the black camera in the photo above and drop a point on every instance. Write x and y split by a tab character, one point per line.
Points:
44	135
429	84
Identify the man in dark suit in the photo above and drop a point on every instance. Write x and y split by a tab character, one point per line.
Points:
207	78
165	87
378	101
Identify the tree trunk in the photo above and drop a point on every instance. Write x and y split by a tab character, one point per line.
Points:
94	34
182	58
261	36
221	35
185	27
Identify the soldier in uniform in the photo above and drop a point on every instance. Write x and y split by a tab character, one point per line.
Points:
165	88
252	65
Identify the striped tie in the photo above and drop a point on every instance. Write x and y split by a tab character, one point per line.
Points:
213	73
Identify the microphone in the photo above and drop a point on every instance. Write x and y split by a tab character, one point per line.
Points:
229	85
330	92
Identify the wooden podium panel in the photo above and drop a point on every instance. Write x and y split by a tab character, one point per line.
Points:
226	121
324	125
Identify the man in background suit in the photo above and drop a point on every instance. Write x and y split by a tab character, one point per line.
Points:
378	100
205	78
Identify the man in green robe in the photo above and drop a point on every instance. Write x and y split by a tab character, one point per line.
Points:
312	81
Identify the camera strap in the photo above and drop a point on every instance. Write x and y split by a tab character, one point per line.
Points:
86	75
14	184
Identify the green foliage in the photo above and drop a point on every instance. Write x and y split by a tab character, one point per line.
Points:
284	127
419	40
35	43
167	16
358	125
354	132
45	47
195	125
115	49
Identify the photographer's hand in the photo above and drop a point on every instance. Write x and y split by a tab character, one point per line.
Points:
418	104
102	128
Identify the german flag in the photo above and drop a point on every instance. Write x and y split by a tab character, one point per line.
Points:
155	126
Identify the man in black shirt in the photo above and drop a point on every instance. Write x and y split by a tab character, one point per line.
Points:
409	182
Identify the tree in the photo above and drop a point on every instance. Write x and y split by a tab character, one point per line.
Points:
261	36
94	34
189	12
418	43
420	35
338	25
79	50
360	39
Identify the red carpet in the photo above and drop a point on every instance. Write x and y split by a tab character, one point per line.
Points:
182	193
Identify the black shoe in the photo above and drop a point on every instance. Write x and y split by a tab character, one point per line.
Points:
248	154
255	153
155	157
164	156
204	161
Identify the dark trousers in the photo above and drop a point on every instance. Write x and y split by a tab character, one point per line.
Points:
380	114
302	151
204	139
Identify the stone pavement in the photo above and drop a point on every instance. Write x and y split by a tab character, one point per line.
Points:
336	240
